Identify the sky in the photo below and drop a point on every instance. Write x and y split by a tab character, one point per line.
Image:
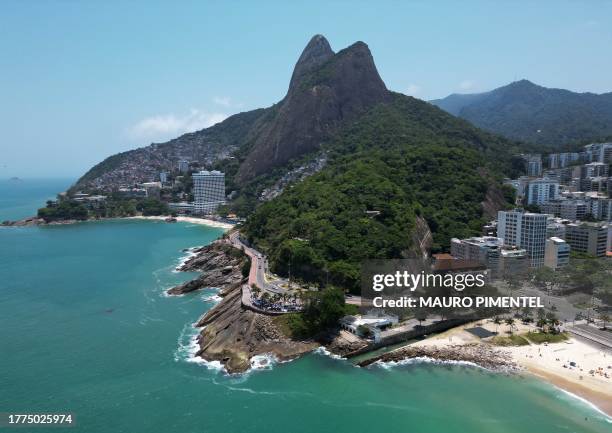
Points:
82	80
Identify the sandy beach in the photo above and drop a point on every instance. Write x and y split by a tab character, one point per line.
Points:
550	362
186	219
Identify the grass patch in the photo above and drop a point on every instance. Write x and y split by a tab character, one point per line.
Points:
284	323
351	310
512	340
546	337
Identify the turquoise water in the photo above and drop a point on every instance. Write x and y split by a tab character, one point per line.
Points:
21	199
85	328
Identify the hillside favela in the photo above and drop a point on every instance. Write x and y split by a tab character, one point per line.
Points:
215	230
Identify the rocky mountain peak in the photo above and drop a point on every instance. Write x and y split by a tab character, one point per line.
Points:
317	52
327	89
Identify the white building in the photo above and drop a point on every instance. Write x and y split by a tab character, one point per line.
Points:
182	207
163	177
557	253
534	165
599	152
540	191
208	191
525	230
590	238
183	166
484	250
374	321
153	189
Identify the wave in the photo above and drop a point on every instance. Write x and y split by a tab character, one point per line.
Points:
188	348
212	297
322	350
387	365
592	406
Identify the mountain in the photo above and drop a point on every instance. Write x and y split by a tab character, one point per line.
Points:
326	89
144	164
363	172
525	111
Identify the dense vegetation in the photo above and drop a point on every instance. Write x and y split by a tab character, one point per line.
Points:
322	311
66	210
402	160
113	207
547	117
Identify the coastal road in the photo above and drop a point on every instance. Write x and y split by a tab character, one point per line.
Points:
257	274
592	333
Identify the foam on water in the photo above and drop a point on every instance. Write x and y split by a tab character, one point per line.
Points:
387	365
322	350
189	253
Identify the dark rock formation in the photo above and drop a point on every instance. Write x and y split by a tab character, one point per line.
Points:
233	335
220	264
326	90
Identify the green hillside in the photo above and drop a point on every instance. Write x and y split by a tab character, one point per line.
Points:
402	159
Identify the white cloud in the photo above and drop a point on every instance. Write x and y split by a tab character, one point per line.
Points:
224	101
166	126
466	85
413	90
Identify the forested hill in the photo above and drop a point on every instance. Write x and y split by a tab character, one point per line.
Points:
401	160
525	111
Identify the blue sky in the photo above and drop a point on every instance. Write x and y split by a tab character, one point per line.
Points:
80	81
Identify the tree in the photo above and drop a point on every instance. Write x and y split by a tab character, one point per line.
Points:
510	323
553	321
605	318
526	315
497	321
421	316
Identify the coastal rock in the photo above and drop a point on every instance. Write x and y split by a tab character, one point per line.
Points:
220	264
232	335
30	221
480	354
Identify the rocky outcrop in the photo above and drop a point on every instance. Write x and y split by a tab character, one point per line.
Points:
233	335
480	354
422	240
494	201
35	221
326	90
220	264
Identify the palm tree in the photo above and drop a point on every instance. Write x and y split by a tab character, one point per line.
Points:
553	321
510	323
605	318
541	323
497	321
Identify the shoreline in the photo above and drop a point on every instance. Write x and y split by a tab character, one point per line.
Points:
185	219
35	221
546	362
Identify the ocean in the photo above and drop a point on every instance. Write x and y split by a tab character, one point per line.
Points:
85	328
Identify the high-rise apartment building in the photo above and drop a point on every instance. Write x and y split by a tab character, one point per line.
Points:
557	253
534	165
208	191
183	166
540	191
590	238
525	230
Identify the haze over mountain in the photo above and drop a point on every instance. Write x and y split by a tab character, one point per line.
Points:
525	111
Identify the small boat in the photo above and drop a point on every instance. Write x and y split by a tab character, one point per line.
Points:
170	220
